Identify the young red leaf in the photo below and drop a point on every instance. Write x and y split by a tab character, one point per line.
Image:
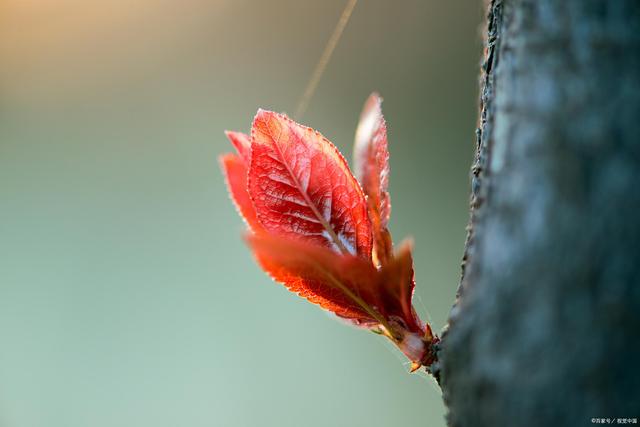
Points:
397	288
302	188
234	168
315	231
371	164
350	287
242	144
338	283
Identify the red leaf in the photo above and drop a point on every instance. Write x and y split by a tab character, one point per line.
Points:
301	187
371	164
349	286
342	284
314	230
242	144
398	286
234	168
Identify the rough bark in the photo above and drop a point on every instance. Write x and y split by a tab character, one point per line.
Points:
546	327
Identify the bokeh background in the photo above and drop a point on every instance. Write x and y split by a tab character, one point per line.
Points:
127	297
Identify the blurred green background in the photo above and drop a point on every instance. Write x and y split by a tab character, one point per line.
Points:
127	297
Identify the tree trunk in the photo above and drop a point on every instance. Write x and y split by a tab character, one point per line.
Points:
546	327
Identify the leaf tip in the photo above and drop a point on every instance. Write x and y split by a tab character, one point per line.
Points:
263	114
406	245
225	158
375	97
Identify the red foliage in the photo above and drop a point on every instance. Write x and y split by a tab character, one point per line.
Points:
371	164
341	284
235	168
302	188
321	233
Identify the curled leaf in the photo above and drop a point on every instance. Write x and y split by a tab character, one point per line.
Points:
398	284
234	167
371	165
242	144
